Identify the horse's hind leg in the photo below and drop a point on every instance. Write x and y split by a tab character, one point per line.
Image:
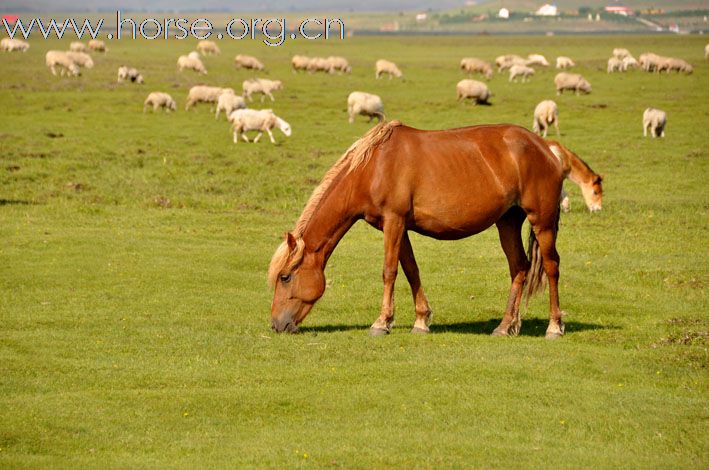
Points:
393	232
546	238
509	228
411	270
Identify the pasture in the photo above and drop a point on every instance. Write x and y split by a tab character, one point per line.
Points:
135	311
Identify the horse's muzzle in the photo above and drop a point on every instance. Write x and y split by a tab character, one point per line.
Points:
286	324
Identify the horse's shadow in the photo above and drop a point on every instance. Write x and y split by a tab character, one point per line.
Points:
530	327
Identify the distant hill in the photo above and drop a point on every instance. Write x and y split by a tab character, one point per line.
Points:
328	5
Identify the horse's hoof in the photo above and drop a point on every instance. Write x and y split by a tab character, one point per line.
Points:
419	331
553	335
378	332
499	331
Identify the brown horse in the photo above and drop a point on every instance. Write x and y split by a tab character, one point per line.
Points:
580	173
448	185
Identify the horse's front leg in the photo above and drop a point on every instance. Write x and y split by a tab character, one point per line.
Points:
411	270
393	233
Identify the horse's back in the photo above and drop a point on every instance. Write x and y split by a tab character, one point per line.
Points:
457	182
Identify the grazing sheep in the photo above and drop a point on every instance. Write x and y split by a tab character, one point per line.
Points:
654	120
61	60
650	62
571	81
244	120
247	62
473	89
204	94
260	85
339	64
129	73
504	62
191	62
677	65
158	100
97	45
520	71
318	64
537	59
300	62
545	114
77	46
365	104
475	65
620	53
614	65
10	45
228	102
563	62
383	66
208	48
81	59
629	62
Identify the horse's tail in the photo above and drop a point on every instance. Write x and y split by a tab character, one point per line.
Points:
535	281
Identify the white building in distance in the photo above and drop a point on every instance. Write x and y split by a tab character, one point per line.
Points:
547	10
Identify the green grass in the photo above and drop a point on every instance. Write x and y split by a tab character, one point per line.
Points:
134	311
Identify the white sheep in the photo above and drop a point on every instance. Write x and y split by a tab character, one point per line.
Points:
620	53
61	60
670	64
299	62
97	45
228	102
473	89
77	46
339	64
204	94
563	62
654	120
520	71
537	59
263	120
706	51
247	62
261	85
629	62
81	59
208	47
158	100
11	45
318	64
571	81
191	62
383	66
475	65
614	65
504	62
650	62
365	104
129	73
545	114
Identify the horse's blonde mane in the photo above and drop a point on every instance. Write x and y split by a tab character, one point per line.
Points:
359	153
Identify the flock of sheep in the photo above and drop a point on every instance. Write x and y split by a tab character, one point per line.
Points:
243	119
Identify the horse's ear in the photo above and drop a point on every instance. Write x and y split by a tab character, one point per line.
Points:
600	178
290	239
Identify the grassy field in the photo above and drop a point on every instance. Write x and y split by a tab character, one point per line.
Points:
134	309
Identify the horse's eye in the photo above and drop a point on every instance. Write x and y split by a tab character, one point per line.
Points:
285	278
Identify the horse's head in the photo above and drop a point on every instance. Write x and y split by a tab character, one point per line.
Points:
298	281
593	194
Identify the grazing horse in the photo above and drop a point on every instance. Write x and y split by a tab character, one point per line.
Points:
580	173
447	184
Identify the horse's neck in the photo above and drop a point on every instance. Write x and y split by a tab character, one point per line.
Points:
580	173
332	219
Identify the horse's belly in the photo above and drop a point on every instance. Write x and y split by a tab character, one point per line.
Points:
455	221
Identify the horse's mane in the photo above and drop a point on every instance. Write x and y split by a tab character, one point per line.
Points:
356	156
